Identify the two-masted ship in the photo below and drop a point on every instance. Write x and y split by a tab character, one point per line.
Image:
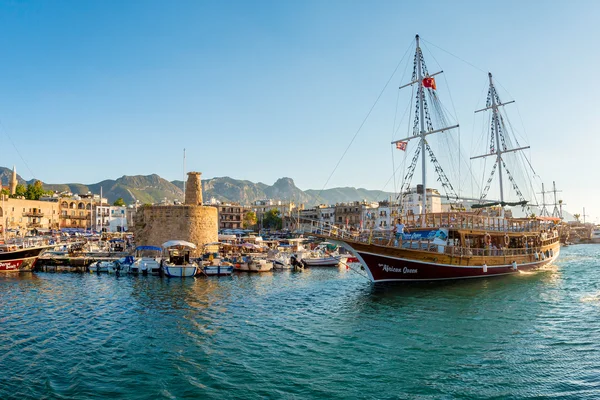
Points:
484	241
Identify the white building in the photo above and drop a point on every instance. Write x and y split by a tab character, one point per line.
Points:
111	219
412	201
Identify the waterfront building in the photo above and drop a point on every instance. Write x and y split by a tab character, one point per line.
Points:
78	211
231	216
384	218
288	211
412	201
348	215
22	216
111	218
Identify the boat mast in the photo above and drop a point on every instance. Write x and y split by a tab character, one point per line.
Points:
422	121
497	128
493	104
420	128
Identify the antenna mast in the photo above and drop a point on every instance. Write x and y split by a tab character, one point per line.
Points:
184	174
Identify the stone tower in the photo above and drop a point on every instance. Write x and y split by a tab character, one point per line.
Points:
191	221
193	189
13	181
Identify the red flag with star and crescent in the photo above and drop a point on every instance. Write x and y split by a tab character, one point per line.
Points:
429	82
401	145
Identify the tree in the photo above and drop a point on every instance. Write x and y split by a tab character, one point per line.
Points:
577	216
20	190
272	220
34	191
119	202
5	192
249	219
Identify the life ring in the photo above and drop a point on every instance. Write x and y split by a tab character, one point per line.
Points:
506	240
487	239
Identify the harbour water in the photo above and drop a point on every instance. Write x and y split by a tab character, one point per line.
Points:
322	333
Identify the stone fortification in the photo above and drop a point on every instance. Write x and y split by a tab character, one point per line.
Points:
191	221
193	189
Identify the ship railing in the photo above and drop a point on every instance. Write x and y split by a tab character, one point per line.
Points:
465	220
387	238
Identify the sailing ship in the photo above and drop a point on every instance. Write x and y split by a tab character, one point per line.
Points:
13	259
485	241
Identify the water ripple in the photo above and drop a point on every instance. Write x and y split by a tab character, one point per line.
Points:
318	334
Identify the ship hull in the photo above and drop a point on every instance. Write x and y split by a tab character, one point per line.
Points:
22	260
407	266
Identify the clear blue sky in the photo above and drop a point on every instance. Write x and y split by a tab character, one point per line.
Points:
93	90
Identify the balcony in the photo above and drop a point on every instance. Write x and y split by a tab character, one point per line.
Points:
34	225
37	214
79	217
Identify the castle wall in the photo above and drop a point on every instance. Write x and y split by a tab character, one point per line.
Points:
155	225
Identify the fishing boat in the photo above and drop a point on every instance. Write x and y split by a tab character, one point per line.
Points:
16	258
176	261
482	242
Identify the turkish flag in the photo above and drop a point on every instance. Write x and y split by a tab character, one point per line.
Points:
429	83
401	145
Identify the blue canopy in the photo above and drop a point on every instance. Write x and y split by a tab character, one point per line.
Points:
148	248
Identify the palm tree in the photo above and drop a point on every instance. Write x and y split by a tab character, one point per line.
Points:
577	216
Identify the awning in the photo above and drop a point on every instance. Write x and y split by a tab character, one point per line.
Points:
173	243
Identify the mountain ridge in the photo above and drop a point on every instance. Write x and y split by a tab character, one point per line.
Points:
151	189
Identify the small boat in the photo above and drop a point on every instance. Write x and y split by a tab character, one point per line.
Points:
101	266
217	267
325	255
252	264
176	261
146	260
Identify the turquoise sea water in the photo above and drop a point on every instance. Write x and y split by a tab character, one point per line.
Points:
319	334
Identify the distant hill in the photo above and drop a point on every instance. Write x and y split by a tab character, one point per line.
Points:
145	189
154	189
347	194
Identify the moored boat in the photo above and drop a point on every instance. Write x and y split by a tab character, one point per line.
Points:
177	261
146	260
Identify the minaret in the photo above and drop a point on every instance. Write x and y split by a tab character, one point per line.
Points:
193	189
13	181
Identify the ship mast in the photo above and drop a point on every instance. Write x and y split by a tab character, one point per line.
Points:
497	140
422	121
420	130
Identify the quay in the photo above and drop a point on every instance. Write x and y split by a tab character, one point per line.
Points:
53	263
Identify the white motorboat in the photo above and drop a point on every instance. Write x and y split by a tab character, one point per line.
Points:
252	264
217	267
176	261
100	266
146	260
